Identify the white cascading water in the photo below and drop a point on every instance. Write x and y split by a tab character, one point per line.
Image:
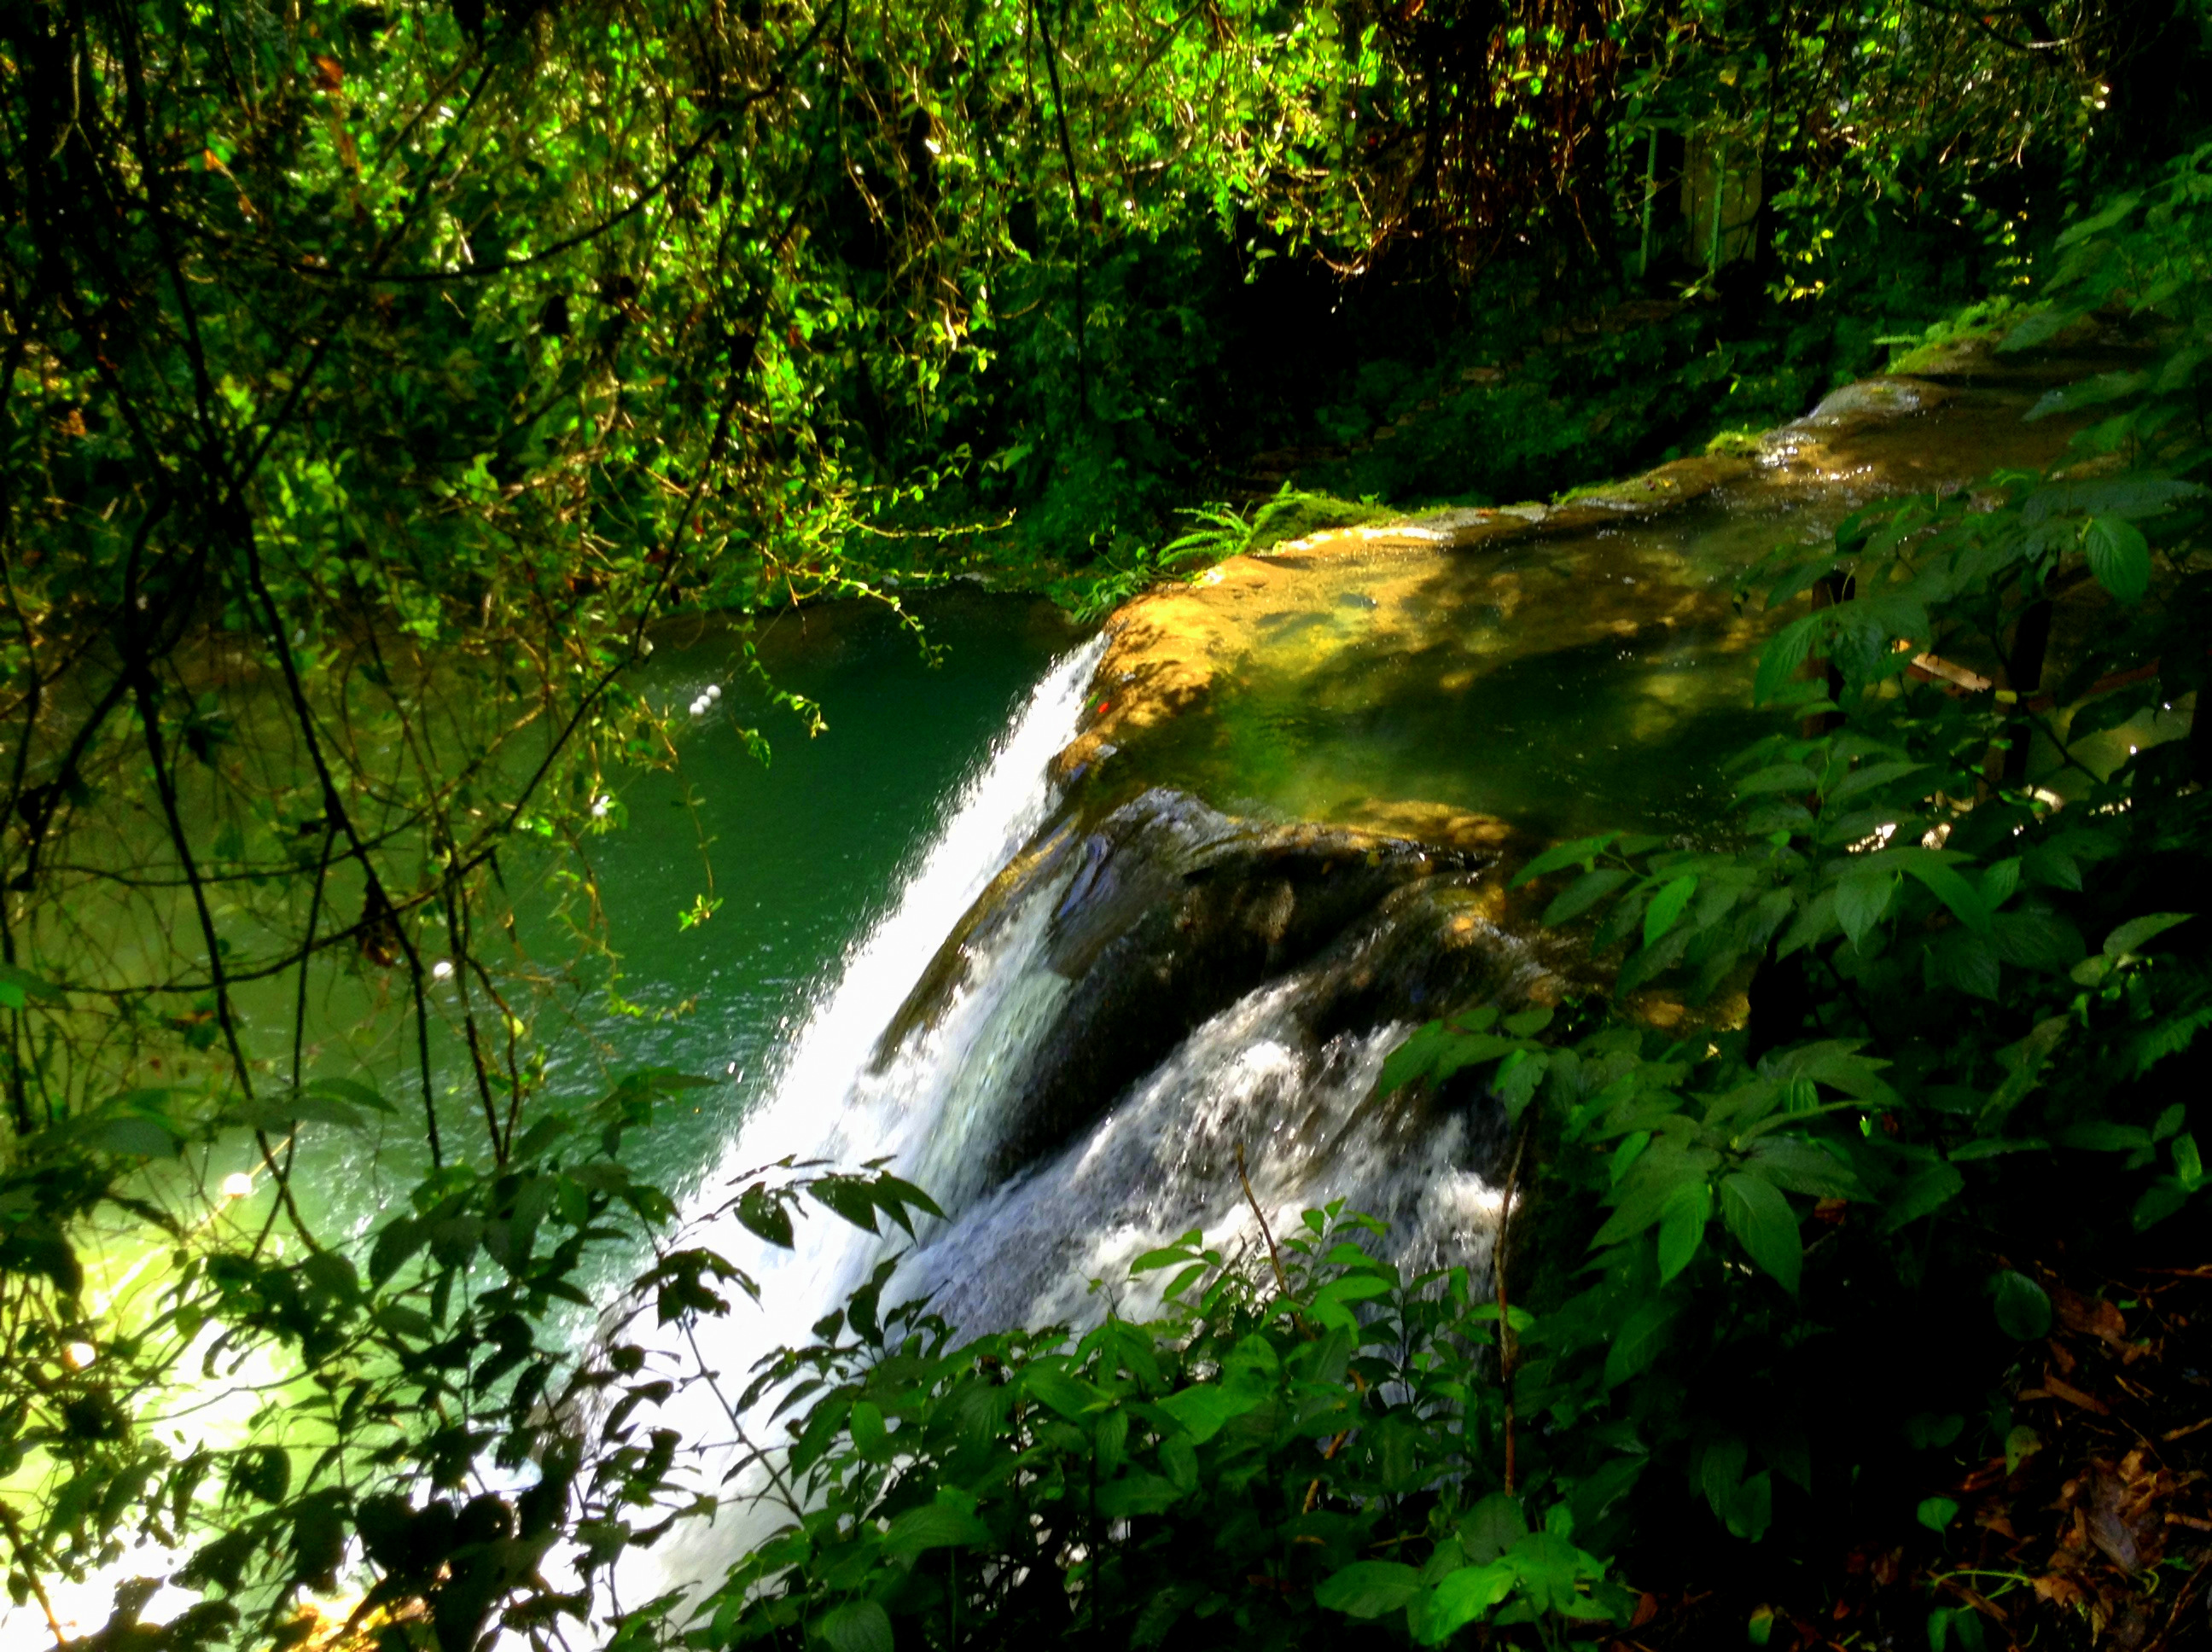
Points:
829	1102
1164	1161
1161	1161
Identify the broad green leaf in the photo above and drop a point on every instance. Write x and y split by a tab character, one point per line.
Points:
1789	649
763	1214
2113	213
1464	1596
1649	1187
1861	899
1368	1589
395	1243
1759	1216
1491	1527
1411	1060
1870	777
1749	1510
2038	329
1137	1494
2125	496
1682	1222
130	1135
2104	1136
1207	1408
18	986
1563	855
349	1091
1965	961
1924	1430
1945	883
1071	1396
1780	777
1666	906
870	1437
1640	1339
2024	1062
1327	1304
2033	939
2161	1199
1936	1514
1934	1185
1999	882
1802	1166
2169	1036
1650	961
1527	1024
2130	936
1625	1156
1549	1566
1598	1493
933	1526
1435	1052
856	1626
1184	1249
2104	387
848	1197
2023	1310
2119	557
1163	1611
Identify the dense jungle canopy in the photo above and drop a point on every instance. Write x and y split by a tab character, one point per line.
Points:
382	380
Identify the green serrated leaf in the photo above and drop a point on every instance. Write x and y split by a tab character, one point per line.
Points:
933	1526
856	1626
1928	1188
1666	906
1640	1340
1861	899
1563	855
1682	1222
2119	555
2023	1310
1759	1217
1584	893
2130	936
1369	1589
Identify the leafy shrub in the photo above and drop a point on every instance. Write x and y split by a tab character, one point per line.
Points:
1304	1453
1969	999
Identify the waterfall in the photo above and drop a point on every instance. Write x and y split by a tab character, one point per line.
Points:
1165	1160
832	1101
1069	1036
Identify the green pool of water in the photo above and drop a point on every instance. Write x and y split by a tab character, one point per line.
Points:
803	853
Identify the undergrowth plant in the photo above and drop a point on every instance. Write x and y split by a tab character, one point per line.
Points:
1302	1450
1971	927
1217	532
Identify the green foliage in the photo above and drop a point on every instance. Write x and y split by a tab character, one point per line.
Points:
443	1344
1272	1456
374	379
1218	533
1963	987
